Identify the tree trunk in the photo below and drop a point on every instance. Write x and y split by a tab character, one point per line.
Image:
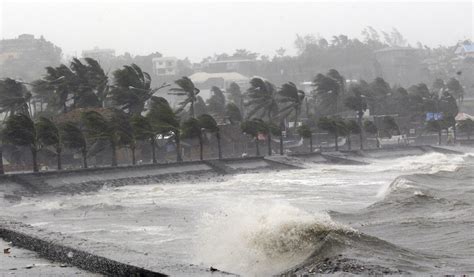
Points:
193	115
361	135
349	143
58	153
439	137
257	148
269	143
34	154
134	161
153	151
311	144
219	149
281	142
114	154
454	134
84	158
336	146
200	147
178	148
2	171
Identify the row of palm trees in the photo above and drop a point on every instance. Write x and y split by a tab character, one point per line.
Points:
125	112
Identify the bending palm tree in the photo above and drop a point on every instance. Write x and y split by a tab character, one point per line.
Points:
209	124
49	135
293	98
263	102
186	88
73	137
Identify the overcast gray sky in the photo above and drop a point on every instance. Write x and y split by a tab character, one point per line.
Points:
200	29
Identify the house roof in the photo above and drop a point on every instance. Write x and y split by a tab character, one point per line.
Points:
463	116
201	77
465	48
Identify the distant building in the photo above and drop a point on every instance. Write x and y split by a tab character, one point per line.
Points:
465	50
101	55
26	57
243	66
399	65
165	66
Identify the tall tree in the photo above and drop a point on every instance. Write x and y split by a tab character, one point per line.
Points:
305	132
233	113
192	129
455	88
263	102
333	125
253	128
143	130
74	138
216	103
352	127
116	130
186	88
20	130
132	89
164	121
236	96
14	97
293	98
326	92
49	136
209	124
357	103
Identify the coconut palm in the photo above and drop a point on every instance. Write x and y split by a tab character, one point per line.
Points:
263	103
233	113
164	121
186	88
142	130
49	136
131	89
116	130
216	103
352	127
357	103
74	138
192	129
20	130
209	124
333	125
253	128
305	132
293	98
14	97
371	128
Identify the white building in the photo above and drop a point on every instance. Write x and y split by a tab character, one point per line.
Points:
99	54
165	66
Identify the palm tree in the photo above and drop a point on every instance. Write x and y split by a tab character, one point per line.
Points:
117	130
305	132
209	124
74	138
14	97
371	128
142	130
357	103
235	96
216	103
233	113
253	128
352	127
131	89
49	135
164	121
333	125
192	129
20	130
186	88
293	98
263	102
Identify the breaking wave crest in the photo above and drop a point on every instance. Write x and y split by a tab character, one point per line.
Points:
260	238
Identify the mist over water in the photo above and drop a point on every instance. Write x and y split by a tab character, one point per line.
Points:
252	224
